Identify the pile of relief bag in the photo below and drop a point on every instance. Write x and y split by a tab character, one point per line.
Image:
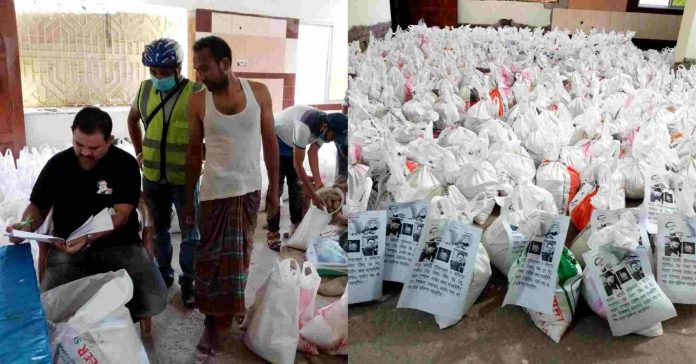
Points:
559	130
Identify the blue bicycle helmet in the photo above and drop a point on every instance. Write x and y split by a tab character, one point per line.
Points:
163	53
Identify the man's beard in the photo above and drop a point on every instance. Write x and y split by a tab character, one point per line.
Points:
87	162
220	85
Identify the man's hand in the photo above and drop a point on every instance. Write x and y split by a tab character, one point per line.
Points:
189	215
18	226
310	193
318	201
139	158
74	246
318	184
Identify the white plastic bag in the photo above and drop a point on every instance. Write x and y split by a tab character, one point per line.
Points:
634	182
328	330
625	234
272	323
561	181
88	317
565	299
312	225
309	286
482	273
476	177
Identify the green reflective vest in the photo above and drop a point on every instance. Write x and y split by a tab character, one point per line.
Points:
166	158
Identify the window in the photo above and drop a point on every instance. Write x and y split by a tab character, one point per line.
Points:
313	64
662	4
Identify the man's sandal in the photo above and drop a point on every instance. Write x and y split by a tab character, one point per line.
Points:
273	241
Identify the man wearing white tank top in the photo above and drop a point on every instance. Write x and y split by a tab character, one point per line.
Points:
236	117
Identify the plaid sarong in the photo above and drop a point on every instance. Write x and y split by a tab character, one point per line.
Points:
224	253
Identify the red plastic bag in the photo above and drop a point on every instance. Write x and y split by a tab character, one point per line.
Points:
581	208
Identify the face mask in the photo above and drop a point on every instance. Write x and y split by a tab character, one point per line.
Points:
164	84
322	137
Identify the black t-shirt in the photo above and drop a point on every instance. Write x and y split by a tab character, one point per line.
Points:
76	194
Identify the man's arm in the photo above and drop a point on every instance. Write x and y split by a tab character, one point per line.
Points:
270	146
119	220
313	155
136	133
194	153
32	218
298	161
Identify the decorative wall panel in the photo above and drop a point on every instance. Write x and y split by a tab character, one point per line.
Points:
86	59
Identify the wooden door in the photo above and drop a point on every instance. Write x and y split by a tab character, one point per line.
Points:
11	109
438	13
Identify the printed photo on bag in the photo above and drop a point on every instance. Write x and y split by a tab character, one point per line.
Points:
428	252
443	255
417	232
422	214
353	246
636	271
548	250
623	275
370	246
535	248
407	230
394	227
611	284
458	261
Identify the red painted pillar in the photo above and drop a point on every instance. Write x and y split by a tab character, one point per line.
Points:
12	134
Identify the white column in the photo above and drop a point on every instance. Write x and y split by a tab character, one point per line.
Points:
686	44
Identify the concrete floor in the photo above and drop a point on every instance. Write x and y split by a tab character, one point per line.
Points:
490	333
176	331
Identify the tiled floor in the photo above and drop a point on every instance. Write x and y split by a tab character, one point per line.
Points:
177	330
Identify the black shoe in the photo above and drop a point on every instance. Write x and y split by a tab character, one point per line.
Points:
168	280
187	296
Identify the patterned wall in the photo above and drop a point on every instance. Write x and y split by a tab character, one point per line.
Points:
86	59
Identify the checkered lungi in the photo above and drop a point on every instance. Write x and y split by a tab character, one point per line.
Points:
224	253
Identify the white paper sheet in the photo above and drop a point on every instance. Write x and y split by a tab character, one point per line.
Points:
602	218
40	238
628	289
533	277
676	257
405	229
95	224
659	198
442	269
366	247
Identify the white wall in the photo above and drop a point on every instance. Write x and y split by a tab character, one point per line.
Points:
368	12
490	11
53	128
331	12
